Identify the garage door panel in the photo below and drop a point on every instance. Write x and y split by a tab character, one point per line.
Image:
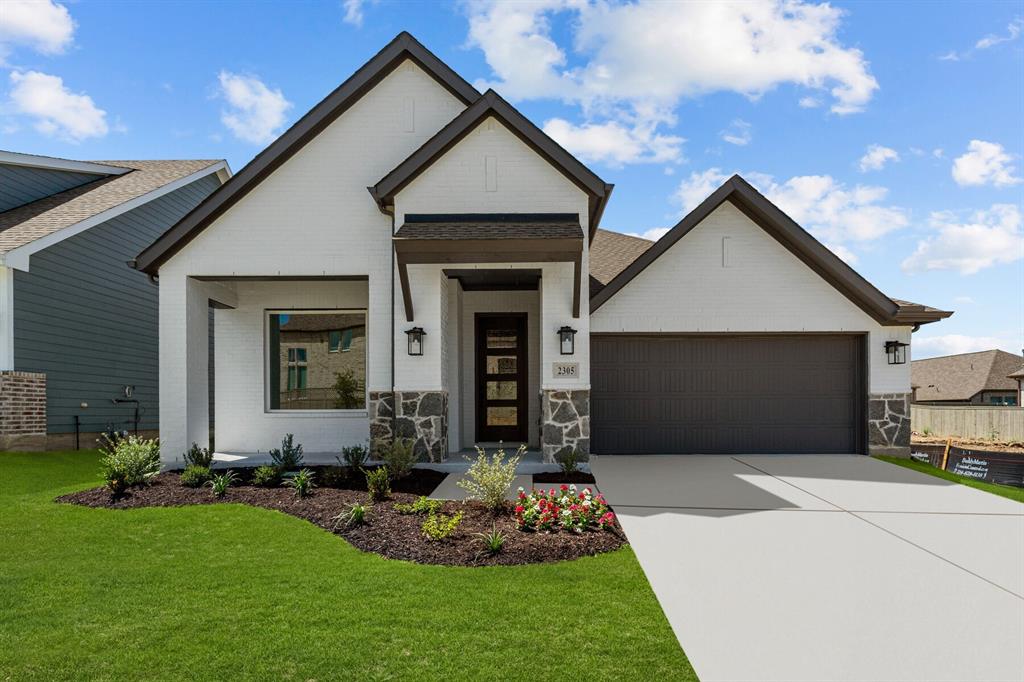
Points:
726	394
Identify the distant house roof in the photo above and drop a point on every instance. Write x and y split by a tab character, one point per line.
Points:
26	224
610	254
961	377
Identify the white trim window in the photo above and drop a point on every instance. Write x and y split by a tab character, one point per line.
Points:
315	360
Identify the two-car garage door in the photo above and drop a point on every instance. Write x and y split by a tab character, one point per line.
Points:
720	394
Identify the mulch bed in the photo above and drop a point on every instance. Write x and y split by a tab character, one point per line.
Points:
386	532
576	477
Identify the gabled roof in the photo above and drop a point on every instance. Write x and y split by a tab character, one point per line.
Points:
797	240
99	200
491	104
59	164
610	254
403	47
961	377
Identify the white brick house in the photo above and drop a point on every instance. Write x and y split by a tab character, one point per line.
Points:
409	200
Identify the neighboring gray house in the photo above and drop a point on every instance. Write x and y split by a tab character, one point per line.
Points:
78	327
983	378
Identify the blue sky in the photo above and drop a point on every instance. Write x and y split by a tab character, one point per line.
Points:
892	131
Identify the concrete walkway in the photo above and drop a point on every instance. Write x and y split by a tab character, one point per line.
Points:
829	567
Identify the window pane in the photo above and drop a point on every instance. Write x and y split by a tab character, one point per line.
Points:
307	371
502	390
502	416
501	364
501	338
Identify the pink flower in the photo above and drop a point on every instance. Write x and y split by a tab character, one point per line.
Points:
564	488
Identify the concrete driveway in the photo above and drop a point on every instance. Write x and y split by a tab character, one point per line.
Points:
831	567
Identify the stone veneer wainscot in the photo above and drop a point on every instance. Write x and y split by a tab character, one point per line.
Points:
565	423
889	424
419	415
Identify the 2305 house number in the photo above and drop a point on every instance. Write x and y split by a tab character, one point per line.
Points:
566	369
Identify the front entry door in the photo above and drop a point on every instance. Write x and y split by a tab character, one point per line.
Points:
501	389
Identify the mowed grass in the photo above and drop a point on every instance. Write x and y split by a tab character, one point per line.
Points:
1007	491
233	592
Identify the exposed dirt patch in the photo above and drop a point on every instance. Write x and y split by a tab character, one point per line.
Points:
970	443
576	477
386	532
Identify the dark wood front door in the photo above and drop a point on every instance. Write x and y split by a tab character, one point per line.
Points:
501	388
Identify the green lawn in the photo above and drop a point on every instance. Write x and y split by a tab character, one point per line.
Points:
229	592
1006	491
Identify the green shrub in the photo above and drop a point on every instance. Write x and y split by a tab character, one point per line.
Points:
399	457
302	483
378	483
219	483
355	515
440	526
354	456
200	457
128	462
492	541
266	476
927	431
289	456
488	480
424	505
568	459
195	476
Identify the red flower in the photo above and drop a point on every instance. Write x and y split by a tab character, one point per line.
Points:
564	488
519	509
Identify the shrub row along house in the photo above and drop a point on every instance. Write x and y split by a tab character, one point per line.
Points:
78	327
447	254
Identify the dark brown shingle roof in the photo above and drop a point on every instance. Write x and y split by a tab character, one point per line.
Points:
961	377
492	229
610	254
25	224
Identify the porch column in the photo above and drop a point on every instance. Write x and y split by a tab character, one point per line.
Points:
184	363
565	398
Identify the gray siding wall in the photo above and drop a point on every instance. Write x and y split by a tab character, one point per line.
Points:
90	322
22	185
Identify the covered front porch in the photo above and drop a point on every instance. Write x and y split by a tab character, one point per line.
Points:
490	343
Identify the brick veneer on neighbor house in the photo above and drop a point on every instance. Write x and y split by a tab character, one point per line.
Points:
22	410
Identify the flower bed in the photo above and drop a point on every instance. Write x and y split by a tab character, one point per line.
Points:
565	508
385	530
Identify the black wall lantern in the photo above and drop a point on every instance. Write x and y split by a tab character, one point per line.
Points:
897	352
415	335
567	340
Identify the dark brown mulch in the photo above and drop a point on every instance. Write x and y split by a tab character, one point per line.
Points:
418	482
388	533
559	477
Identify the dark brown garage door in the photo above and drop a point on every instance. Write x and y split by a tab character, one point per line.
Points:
726	394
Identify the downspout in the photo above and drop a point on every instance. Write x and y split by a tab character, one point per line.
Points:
394	399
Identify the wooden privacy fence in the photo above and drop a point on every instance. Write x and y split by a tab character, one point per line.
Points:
969	421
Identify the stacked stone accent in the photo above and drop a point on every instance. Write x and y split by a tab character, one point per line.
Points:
22	410
564	423
382	419
889	424
419	415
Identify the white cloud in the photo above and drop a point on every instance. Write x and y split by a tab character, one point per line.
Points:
55	110
954	344
354	11
876	157
653	234
256	112
991	40
1013	32
614	143
938	153
41	25
844	253
984	163
634	62
990	237
963	300
739	133
809	102
833	212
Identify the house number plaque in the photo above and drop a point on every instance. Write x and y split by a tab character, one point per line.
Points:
565	369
